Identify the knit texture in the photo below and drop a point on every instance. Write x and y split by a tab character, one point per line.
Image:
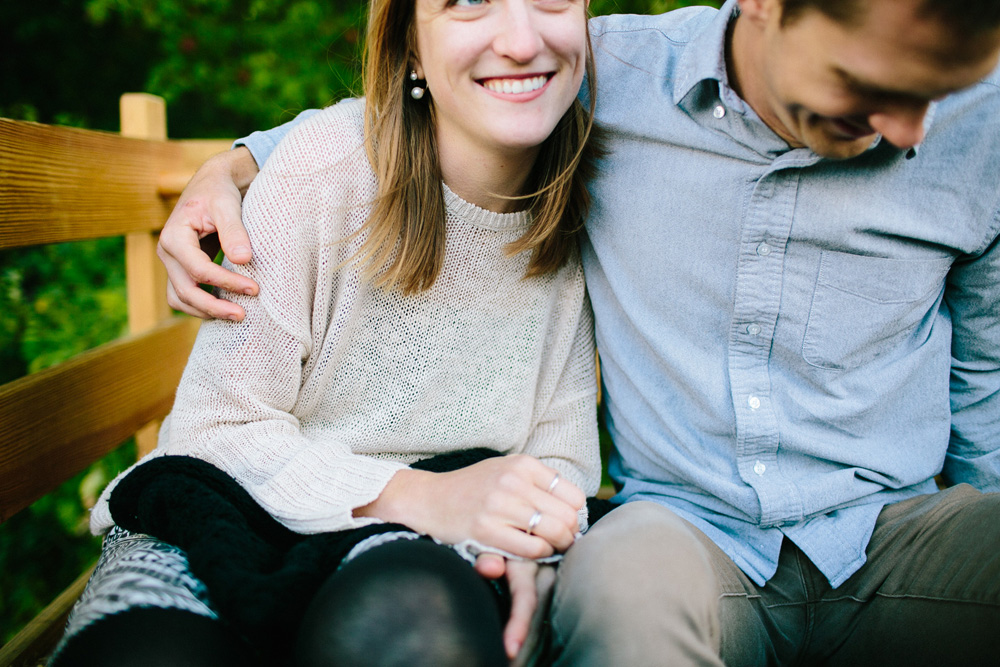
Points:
330	385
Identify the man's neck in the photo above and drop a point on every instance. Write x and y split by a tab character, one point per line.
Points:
744	67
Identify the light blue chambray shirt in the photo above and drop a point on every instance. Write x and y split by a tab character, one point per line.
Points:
787	343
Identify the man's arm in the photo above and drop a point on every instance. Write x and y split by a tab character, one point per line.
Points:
973	297
207	216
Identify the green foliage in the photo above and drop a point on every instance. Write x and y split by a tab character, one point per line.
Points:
57	66
601	7
251	63
59	300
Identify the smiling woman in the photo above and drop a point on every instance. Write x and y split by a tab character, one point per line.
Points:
475	57
413	386
499	150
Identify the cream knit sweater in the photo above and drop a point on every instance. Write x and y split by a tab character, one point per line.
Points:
331	385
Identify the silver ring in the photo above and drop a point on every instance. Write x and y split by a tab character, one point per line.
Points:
554	483
536	519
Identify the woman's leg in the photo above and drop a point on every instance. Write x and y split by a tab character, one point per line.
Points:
143	606
155	637
409	602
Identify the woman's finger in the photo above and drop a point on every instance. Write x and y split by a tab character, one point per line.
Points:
551	482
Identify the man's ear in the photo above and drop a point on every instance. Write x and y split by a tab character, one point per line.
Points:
760	11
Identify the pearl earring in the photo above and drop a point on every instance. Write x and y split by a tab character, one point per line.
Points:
416	92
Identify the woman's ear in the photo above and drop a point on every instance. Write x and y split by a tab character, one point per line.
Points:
415	67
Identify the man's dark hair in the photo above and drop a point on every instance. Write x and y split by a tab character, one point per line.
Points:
966	17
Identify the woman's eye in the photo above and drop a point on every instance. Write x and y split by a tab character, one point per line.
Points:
468	3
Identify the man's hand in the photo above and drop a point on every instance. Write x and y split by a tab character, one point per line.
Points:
207	215
523	596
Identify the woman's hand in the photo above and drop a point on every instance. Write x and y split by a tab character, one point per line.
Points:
207	215
494	502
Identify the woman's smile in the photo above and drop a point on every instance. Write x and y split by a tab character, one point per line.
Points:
516	85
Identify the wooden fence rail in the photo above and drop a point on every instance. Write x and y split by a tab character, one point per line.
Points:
62	184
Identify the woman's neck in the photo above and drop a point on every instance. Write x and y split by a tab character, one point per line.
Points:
487	179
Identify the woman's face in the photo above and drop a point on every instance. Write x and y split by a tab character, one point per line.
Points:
500	73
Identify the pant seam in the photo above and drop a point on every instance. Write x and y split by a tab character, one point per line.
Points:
932	598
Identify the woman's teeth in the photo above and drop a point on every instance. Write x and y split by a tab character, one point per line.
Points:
516	85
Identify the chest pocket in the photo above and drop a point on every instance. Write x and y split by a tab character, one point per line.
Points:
864	307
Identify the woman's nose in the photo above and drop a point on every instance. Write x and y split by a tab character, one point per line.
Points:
518	37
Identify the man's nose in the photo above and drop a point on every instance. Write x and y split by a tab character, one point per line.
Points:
901	125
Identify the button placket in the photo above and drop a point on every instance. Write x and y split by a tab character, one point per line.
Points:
758	296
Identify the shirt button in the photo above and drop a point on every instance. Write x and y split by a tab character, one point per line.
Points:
753	329
719	111
759	468
764	249
753	402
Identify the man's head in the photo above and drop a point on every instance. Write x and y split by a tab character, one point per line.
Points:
965	17
831	74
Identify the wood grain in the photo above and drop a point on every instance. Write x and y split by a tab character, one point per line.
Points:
57	421
64	184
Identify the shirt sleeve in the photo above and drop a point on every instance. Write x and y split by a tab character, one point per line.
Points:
262	142
240	404
973	301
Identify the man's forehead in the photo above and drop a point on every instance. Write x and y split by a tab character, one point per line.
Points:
898	49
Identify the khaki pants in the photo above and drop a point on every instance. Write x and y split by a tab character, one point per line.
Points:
645	587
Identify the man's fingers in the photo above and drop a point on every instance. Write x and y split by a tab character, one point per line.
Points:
190	262
233	237
175	303
491	566
524	600
199	303
184	294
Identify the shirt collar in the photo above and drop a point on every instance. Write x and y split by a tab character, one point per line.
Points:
704	57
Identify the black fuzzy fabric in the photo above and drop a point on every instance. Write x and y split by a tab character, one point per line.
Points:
597	508
260	575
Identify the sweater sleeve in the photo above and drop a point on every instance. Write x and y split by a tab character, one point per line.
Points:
239	403
565	434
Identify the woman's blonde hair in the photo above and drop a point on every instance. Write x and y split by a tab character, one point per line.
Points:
406	228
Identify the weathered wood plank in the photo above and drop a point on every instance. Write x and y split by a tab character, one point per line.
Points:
57	421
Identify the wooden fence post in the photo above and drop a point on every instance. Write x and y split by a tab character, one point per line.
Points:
144	116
